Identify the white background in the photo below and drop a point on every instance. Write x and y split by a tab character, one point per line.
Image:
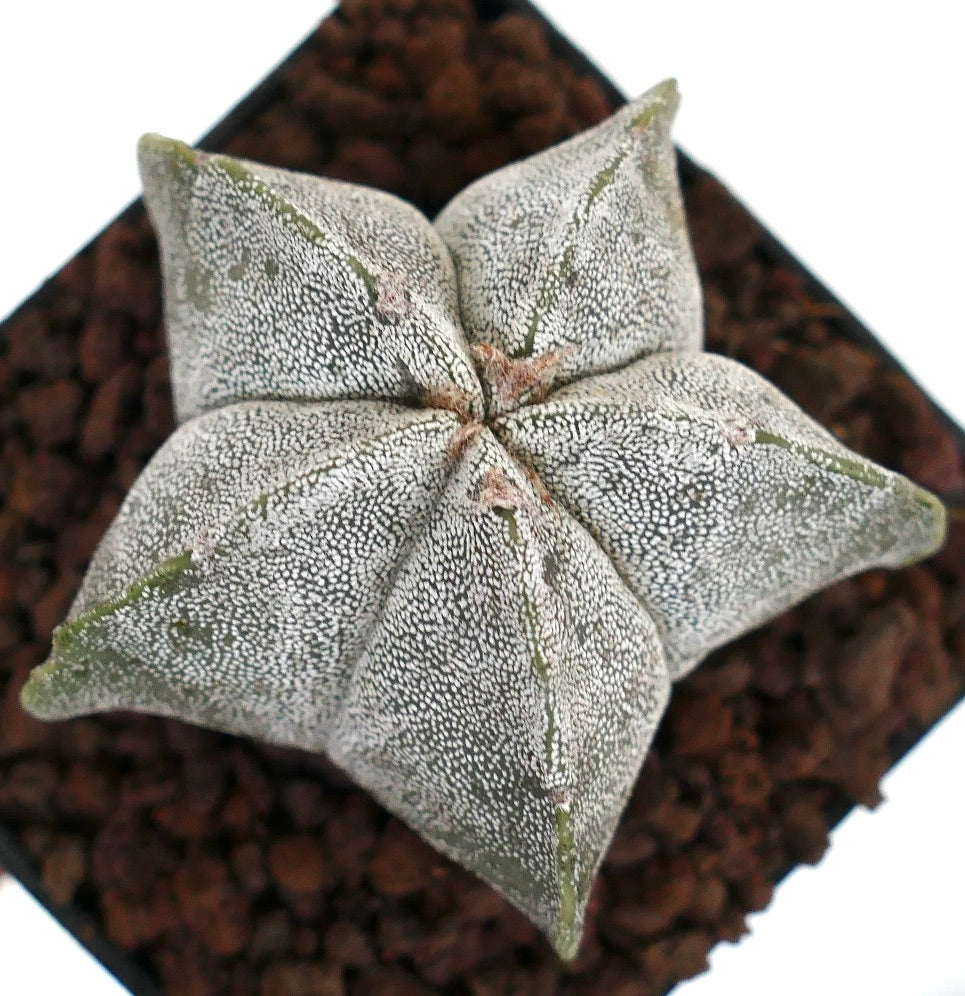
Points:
838	124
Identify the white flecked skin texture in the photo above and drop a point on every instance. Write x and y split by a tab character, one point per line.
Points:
455	504
582	251
278	286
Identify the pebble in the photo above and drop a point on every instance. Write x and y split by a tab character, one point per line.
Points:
299	863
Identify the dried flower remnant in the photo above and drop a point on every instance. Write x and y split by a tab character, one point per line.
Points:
454	504
510	381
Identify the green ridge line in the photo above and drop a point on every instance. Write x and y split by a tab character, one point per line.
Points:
237	172
165	573
368	278
565	844
832	462
562	269
242	176
566	937
603	179
825	459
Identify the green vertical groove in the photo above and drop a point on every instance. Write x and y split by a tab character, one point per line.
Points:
368	278
833	462
563	267
566	935
604	178
166	572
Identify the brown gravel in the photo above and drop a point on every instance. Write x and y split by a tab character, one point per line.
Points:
222	866
298	863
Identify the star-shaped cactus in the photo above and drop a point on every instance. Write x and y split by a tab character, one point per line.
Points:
455	504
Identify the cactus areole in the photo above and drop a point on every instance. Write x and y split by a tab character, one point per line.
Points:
456	503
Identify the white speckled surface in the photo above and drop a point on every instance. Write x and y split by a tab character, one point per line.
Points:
473	601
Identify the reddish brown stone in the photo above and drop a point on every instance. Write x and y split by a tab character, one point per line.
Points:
824	380
307	804
132	920
754	890
305	907
373	163
516	35
865	666
385	77
126	277
252	781
47	489
723	676
455	102
188	968
533	132
721	232
486	153
182	819
347	944
272	935
37	840
805	828
690	954
30	583
588	100
237	813
388	979
744	779
776	673
928	679
248	865
10	635
108	411
156	399
299	864
130	855
347	109
336	38
441	43
144	788
104	344
388	31
402	862
520	89
800	738
84	739
350	834
631	845
699	725
33	347
51	608
76	544
707	901
679	827
50	411
212	906
732	925
302	979
29	787
86	791
19	731
64	868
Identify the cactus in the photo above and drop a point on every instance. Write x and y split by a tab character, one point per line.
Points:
455	504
